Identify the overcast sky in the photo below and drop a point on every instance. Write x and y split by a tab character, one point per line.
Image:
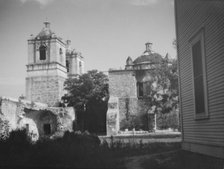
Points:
106	32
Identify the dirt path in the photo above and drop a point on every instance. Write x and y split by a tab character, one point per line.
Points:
135	162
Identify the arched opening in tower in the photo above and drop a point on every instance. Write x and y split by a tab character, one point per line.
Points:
42	50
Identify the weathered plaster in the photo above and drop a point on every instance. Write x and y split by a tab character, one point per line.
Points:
33	116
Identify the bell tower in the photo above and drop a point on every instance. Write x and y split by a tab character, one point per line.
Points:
74	61
46	68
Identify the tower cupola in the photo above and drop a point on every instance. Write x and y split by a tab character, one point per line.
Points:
47	24
148	46
46	32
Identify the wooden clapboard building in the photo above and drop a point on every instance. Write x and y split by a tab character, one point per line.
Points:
200	45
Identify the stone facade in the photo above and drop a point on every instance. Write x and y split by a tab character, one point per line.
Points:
113	123
132	86
50	62
38	119
122	83
45	89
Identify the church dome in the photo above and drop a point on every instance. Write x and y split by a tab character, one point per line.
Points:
46	32
148	56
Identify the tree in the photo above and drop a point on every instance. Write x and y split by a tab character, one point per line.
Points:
88	94
163	93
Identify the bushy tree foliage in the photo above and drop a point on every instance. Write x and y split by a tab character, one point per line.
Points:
163	95
164	87
89	95
92	85
168	120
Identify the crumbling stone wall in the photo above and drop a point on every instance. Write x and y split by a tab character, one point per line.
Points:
41	117
133	113
132	110
68	118
7	110
128	109
33	116
31	127
113	123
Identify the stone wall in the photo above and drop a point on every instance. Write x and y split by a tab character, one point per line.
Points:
45	89
133	113
132	110
40	118
128	108
113	123
122	83
33	116
7	110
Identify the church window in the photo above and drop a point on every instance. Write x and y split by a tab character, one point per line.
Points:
60	51
67	65
61	54
140	89
42	51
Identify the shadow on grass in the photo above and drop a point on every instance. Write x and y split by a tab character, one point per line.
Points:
73	150
182	160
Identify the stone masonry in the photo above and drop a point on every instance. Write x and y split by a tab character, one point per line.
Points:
132	87
50	62
37	118
45	89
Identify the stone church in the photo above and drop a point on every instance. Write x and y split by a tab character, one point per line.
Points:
128	90
50	62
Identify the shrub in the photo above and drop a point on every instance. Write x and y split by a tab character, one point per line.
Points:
168	120
79	150
73	150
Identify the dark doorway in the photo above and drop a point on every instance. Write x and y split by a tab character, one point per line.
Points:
47	129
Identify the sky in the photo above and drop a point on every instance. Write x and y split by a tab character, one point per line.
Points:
106	32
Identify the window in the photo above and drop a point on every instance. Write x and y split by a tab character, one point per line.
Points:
60	51
61	54
42	51
199	75
67	65
80	68
47	129
140	89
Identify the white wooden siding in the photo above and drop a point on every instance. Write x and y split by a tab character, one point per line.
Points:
190	17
